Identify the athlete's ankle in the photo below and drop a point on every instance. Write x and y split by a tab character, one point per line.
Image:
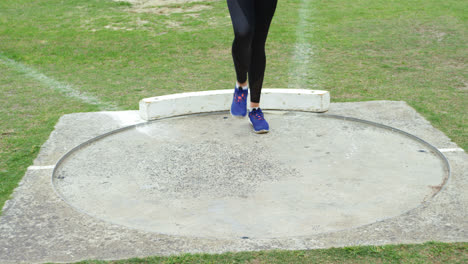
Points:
241	84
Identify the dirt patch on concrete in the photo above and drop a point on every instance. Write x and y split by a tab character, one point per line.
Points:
165	7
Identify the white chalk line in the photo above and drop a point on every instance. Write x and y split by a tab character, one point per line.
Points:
299	71
451	149
46	167
64	88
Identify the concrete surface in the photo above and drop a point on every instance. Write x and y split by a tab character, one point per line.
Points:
220	100
209	176
365	198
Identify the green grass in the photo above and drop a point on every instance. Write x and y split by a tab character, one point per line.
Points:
28	114
430	252
413	51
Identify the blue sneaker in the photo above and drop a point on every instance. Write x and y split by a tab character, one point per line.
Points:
258	122
239	102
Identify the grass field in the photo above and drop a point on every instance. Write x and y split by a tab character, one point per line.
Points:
59	57
430	252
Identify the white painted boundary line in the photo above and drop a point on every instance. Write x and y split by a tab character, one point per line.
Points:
41	167
220	100
299	72
451	149
64	88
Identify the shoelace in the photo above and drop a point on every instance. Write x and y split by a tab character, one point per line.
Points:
258	114
240	97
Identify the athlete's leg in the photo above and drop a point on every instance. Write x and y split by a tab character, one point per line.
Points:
243	22
264	11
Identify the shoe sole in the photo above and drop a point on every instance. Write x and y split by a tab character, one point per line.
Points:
261	131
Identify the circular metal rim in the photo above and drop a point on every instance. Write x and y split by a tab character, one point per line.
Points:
323	115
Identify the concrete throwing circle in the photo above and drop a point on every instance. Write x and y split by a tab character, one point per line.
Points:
208	175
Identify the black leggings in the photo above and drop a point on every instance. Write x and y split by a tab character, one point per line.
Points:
251	20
